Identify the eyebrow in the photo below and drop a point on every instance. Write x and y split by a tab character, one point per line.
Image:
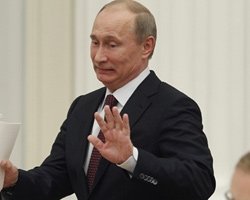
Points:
108	37
92	36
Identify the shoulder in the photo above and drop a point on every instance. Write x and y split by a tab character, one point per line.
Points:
167	95
163	90
93	97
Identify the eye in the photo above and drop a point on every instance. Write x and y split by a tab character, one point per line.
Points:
112	45
94	42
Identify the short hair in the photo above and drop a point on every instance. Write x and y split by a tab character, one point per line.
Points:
145	25
244	163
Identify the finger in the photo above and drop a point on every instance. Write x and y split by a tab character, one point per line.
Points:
117	118
126	123
2	163
109	118
103	126
100	121
5	164
97	143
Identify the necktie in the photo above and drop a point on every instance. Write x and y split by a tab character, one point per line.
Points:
96	156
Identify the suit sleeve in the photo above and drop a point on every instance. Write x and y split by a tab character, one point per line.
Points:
48	181
178	162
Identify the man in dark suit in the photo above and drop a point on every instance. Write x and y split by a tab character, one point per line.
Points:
150	144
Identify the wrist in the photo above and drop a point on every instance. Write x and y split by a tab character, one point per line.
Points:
131	162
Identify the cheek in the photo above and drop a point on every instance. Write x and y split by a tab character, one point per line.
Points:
92	54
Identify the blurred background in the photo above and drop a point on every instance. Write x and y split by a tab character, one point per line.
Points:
203	49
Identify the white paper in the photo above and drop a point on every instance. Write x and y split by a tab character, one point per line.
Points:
8	135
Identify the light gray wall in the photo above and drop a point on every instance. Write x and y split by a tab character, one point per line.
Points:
11	66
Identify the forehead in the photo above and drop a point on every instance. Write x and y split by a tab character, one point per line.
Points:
115	21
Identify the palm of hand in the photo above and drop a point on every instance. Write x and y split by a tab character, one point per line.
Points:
117	147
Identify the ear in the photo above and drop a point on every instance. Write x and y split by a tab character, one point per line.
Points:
148	46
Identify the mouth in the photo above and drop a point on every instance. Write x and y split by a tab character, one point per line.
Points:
104	70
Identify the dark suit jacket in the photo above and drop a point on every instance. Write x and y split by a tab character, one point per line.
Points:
174	160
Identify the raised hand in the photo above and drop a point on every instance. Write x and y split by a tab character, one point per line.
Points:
117	147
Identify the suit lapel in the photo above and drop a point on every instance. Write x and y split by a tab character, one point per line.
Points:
84	118
87	117
140	99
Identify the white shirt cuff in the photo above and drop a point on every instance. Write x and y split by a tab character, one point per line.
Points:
130	163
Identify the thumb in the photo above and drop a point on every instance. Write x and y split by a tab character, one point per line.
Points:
97	143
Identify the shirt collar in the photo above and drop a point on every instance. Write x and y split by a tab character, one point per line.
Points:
123	94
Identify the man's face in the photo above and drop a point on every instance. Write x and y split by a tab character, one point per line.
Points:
240	186
116	55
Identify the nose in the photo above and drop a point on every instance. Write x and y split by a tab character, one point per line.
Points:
100	55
